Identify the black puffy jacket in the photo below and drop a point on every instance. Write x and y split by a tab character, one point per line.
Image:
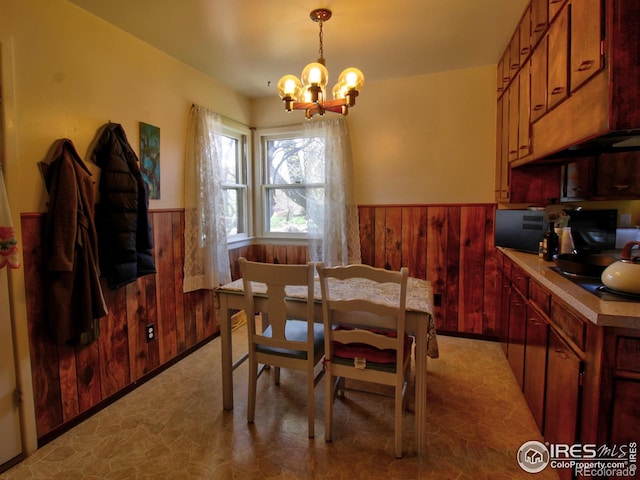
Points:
122	218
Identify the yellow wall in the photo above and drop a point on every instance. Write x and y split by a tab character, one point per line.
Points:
64	74
424	139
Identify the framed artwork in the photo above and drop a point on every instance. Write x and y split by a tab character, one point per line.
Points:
150	158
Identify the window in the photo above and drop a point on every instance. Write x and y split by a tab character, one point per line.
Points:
293	183
234	155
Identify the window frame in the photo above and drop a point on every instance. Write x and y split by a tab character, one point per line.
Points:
242	134
263	136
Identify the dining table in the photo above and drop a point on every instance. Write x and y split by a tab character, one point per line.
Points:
419	322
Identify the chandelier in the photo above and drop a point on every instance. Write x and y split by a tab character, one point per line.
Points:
309	92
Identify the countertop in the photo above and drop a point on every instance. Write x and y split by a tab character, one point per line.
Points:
600	312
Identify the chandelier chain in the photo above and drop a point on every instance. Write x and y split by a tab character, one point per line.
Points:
321	35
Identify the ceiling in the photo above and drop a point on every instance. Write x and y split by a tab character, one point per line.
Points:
249	44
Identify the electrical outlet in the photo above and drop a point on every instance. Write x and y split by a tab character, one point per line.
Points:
437	299
150	330
625	219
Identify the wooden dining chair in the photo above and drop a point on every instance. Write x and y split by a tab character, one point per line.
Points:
365	335
292	339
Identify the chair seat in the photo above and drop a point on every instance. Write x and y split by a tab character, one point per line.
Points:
295	330
372	354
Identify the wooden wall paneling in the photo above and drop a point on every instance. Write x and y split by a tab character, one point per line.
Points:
492	281
379	231
170	331
451	300
210	324
414	240
192	317
366	220
43	352
177	234
114	343
137	341
299	254
88	375
471	271
393	238
68	382
437	232
150	315
234	254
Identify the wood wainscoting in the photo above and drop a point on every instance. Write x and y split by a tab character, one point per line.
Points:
69	382
450	245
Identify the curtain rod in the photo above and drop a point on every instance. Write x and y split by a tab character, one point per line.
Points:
225	117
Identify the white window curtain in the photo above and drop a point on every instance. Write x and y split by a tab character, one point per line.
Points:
333	225
206	257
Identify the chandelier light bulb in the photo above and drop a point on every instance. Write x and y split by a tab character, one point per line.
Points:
289	86
352	78
339	91
315	74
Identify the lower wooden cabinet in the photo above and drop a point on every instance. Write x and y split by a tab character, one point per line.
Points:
562	398
581	381
517	330
535	364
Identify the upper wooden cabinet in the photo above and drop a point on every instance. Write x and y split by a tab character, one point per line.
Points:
554	7
618	175
524	31
583	67
586	41
558	60
539	81
539	20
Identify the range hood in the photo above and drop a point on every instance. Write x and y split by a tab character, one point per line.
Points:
612	142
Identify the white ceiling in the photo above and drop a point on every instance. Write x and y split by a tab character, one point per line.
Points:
250	44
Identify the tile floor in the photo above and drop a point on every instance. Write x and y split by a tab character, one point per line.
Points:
174	427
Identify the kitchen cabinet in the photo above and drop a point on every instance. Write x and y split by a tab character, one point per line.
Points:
581	379
535	365
517	321
517	331
538	87
502	150
539	20
524	102
562	395
512	123
558	59
624	353
514	54
554	8
525	35
618	174
583	69
586	41
576	179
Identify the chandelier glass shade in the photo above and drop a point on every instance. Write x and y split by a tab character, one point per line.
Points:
309	92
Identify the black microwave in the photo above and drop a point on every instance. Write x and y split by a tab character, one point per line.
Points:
593	230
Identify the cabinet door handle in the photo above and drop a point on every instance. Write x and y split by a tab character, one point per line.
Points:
586	65
524	50
562	354
557	90
539	27
538	107
621	187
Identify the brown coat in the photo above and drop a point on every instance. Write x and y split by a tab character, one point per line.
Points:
75	301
